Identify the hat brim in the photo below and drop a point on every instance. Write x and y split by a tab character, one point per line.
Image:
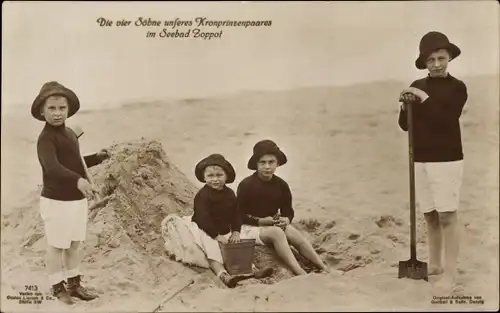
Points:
73	101
226	166
421	61
254	159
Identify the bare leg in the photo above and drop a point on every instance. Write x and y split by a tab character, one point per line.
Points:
216	267
304	247
435	238
71	259
448	221
220	271
275	236
54	261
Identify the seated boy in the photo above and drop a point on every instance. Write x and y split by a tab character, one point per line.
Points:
217	216
261	196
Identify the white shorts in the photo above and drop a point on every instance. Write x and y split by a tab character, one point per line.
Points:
437	185
64	221
211	246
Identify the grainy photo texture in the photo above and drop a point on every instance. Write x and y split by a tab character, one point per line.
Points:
250	156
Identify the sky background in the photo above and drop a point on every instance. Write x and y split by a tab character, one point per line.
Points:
308	44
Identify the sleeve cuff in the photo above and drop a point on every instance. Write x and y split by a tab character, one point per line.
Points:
237	228
213	235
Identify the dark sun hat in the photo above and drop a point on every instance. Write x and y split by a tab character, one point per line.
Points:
215	159
431	42
53	88
262	148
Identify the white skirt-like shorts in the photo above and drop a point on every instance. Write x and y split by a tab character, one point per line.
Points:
437	185
64	221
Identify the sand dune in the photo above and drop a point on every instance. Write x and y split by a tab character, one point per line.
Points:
348	171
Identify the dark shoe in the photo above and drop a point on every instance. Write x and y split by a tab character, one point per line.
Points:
76	290
263	273
230	280
60	292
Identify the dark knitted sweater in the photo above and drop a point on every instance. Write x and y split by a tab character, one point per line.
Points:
216	211
59	155
258	198
437	135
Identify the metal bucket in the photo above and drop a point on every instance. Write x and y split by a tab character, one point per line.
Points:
238	257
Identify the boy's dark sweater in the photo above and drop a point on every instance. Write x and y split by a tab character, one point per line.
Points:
258	198
437	135
59	155
216	211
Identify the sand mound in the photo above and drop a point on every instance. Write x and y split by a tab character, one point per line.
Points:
145	186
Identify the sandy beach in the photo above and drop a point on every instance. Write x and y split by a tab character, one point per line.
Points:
348	171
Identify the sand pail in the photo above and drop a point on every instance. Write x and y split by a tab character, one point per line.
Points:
238	257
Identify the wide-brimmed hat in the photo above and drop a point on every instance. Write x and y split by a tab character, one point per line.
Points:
431	42
262	148
215	159
53	88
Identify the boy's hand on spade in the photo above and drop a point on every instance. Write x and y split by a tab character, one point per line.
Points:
87	188
412	94
235	237
408	98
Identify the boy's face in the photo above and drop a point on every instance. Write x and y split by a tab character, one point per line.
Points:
267	166
437	63
215	177
55	110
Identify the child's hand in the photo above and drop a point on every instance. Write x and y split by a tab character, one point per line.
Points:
103	154
283	222
418	94
267	221
235	237
87	188
221	239
408	98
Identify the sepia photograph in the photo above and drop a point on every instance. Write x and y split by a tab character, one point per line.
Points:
248	156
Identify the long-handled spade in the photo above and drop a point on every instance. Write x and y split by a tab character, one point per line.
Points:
412	268
98	202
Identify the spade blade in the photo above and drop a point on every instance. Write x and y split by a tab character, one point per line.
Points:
413	269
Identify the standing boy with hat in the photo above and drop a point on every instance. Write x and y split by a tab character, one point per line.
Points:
261	196
63	202
217	216
437	100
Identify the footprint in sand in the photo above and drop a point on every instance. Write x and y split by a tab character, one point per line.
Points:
388	221
353	236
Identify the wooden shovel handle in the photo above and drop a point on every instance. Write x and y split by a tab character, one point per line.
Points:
99	203
79	132
169	297
413	244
